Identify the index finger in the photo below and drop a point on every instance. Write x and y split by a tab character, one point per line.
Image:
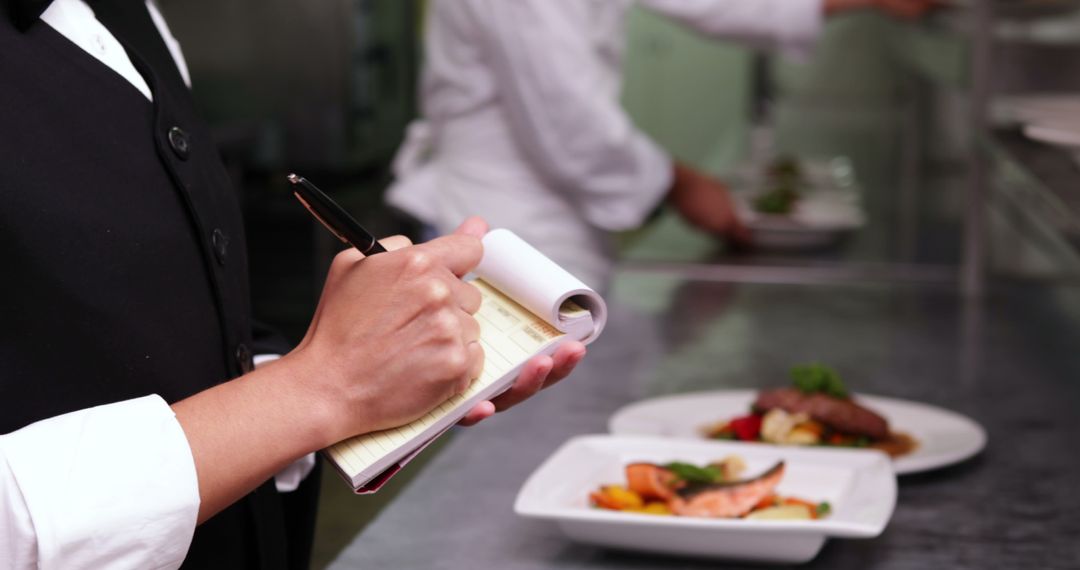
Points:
395	242
459	253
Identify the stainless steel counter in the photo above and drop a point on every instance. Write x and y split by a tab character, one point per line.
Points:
1012	363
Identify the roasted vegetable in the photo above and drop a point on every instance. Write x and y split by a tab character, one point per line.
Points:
746	428
616	497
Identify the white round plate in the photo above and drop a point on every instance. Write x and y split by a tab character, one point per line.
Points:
944	437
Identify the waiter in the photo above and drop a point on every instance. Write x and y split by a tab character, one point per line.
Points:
523	125
124	303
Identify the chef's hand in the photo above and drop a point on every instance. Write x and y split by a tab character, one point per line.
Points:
907	9
706	203
902	9
538	373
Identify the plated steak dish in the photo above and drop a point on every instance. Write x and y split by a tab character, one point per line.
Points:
816	410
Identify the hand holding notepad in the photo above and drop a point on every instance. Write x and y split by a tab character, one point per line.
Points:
530	305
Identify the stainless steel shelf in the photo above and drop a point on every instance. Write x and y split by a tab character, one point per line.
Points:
1037	187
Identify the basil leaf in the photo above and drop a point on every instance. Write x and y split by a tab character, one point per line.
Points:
814	378
694	474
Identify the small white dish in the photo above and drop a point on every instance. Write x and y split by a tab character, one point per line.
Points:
828	207
819	220
1066	134
859	485
1041	108
944	437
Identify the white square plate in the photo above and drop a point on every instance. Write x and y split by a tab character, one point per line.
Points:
859	485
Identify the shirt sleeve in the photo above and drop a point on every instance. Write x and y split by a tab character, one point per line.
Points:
789	25
106	487
561	100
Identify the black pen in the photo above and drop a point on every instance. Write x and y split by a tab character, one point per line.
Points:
334	217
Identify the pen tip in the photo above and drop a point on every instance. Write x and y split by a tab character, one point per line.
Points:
293	178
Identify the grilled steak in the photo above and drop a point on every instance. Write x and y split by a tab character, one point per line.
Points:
840	414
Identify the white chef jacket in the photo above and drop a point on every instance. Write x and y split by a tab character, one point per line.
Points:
522	122
113	486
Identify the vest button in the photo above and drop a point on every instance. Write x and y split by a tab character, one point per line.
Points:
179	142
243	358
220	243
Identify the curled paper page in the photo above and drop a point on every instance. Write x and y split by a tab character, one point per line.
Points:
539	284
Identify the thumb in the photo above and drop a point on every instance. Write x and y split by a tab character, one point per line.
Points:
474	226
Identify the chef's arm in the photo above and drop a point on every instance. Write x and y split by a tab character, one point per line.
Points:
706	203
902	9
561	101
790	25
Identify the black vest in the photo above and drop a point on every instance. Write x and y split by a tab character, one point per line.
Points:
123	269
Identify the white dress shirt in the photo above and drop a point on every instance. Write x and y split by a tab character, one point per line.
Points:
113	486
106	487
523	125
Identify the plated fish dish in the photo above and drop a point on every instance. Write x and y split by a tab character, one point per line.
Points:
715	490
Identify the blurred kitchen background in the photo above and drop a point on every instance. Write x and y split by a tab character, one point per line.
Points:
953	191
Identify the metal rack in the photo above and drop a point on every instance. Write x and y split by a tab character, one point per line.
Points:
1036	206
972	268
979	24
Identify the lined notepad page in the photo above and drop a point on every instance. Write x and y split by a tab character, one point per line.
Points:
509	334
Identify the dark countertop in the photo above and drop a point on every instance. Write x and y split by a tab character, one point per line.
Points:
1011	362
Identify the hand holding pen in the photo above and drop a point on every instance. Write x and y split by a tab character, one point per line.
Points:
460	252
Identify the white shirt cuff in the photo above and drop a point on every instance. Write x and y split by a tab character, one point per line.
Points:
289	478
106	487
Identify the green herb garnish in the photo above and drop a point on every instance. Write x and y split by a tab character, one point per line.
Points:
694	474
818	378
778	200
823	509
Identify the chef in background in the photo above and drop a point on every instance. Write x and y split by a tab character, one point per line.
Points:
522	122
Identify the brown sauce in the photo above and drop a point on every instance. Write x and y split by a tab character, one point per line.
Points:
897	444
